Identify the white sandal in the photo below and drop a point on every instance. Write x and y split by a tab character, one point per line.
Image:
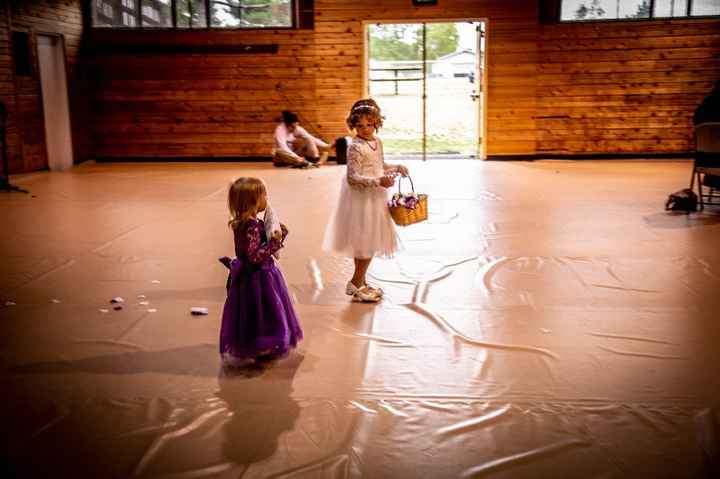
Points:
366	295
377	289
350	289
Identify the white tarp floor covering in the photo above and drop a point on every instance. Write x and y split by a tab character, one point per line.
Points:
549	320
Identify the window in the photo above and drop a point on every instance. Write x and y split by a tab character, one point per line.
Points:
250	13
156	13
193	13
700	8
671	8
592	10
115	14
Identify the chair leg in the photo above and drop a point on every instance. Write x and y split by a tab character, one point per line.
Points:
713	195
692	179
700	191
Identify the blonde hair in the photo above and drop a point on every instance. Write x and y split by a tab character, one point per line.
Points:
365	108
244	196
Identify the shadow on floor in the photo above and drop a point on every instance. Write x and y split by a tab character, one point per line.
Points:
674	220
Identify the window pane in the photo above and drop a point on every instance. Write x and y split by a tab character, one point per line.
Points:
225	13
670	8
114	13
705	7
580	10
633	9
156	14
251	13
588	9
191	14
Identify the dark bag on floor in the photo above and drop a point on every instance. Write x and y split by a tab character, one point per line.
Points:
341	146
683	200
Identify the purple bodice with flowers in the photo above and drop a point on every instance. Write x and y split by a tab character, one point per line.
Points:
250	242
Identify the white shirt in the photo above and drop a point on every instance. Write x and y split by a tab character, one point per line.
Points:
283	138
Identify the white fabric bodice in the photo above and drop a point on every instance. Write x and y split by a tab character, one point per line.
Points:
365	165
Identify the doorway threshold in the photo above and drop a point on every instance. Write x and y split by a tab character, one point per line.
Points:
429	156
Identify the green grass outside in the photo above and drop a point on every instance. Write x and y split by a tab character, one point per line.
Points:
434	145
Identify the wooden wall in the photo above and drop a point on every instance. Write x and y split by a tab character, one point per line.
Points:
217	104
624	87
7	91
22	94
511	56
553	89
225	104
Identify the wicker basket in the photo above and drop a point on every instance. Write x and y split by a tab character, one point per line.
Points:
404	216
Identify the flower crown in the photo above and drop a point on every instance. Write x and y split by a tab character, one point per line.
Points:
363	107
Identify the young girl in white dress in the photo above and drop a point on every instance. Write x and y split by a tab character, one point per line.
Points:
361	225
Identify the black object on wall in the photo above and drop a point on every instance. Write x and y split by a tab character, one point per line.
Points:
155	48
306	14
5	178
22	53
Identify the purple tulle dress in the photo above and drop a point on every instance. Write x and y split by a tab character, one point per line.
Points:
258	317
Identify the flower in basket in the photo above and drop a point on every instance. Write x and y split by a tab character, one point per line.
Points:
407	200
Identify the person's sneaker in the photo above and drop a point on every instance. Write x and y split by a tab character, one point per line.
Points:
313	161
366	295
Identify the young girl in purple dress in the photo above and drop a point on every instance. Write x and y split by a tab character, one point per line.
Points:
258	320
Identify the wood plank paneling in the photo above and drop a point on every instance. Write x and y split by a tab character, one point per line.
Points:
148	105
185	104
617	87
623	87
8	92
22	94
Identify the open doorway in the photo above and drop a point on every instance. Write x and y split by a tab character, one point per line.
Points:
428	79
53	83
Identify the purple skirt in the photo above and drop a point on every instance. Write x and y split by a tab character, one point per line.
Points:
258	317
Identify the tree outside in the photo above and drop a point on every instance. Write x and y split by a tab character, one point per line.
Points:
396	52
643	10
250	13
606	9
191	14
402	42
592	12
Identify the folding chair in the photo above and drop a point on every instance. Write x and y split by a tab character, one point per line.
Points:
707	162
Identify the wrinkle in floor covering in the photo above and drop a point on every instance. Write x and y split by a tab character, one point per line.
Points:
548	320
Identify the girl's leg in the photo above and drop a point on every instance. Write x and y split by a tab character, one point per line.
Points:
361	267
358	288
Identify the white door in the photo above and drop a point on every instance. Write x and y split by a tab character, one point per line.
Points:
53	82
